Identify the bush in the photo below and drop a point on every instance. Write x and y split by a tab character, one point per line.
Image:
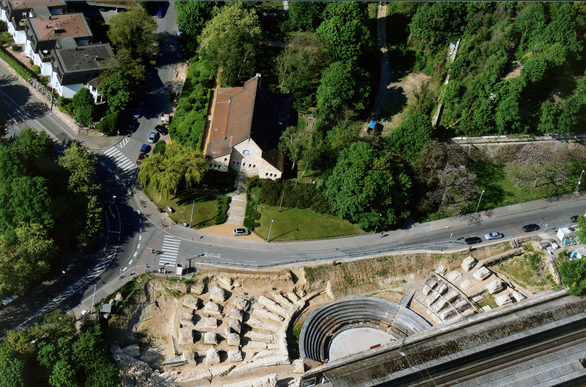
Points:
36	69
160	147
64	104
2	26
221	209
108	124
5	37
16	47
44	79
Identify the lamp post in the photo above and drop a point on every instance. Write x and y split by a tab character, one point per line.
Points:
579	181
377	223
270	228
479	199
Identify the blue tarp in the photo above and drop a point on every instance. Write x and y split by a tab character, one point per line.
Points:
372	124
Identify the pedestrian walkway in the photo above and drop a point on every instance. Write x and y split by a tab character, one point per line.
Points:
237	206
170	250
120	159
124	141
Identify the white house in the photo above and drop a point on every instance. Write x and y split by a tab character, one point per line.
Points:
244	133
15	12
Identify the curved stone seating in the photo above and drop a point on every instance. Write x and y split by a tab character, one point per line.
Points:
337	316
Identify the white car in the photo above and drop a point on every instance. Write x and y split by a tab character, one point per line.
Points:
240	231
493	235
153	136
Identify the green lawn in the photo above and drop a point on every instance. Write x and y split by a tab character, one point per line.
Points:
299	224
500	191
203	210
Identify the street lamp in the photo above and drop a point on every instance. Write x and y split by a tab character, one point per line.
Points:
270	228
479	199
377	223
579	181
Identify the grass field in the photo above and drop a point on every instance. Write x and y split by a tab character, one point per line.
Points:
203	209
299	224
529	271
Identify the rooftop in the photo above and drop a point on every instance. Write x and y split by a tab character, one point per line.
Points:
60	26
84	58
25	4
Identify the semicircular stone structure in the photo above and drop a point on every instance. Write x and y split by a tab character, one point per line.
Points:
326	322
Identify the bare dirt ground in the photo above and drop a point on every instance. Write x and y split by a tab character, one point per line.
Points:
514	70
401	95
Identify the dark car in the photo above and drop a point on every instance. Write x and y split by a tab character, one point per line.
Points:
160	12
140	158
473	240
574	218
162	129
137	112
530	227
145	148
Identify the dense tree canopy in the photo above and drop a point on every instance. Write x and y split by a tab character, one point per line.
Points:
368	187
83	107
306	15
230	40
191	18
344	30
117	90
134	31
408	139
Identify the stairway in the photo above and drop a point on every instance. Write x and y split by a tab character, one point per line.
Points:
237	205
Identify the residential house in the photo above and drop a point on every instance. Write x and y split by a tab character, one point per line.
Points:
43	34
15	12
78	66
245	128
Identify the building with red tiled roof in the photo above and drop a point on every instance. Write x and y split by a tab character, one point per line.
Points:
245	128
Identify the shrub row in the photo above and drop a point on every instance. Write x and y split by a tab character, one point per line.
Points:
15	64
252	215
221	209
292	195
189	119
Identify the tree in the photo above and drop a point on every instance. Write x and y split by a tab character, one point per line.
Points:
368	188
548	118
293	143
456	190
12	370
299	67
63	375
435	24
305	15
344	30
342	87
573	275
133	30
117	90
179	167
83	107
230	40
191	18
131	66
581	233
80	166
539	169
411	136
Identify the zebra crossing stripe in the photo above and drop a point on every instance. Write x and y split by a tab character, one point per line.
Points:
120	159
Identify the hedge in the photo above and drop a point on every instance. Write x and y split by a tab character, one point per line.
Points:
295	195
251	215
15	64
221	209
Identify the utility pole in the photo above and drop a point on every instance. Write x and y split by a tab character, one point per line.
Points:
479	199
191	218
579	181
270	228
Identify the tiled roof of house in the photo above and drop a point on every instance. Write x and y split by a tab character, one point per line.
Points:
60	26
232	120
25	4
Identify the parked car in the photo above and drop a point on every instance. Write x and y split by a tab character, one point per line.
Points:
141	157
133	125
530	227
574	218
160	12
473	240
145	148
241	231
493	235
162	129
137	112
153	136
8	300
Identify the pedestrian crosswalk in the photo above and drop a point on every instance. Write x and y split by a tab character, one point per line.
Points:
170	251
123	162
123	142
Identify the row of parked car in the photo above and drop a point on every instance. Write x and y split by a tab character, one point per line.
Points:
498	235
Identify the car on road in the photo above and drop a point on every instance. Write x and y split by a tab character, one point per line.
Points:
145	148
141	157
574	218
493	235
240	231
162	129
473	240
153	136
530	227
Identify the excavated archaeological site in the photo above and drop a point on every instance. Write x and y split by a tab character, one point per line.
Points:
233	328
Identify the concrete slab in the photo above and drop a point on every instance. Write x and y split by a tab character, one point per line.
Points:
353	341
